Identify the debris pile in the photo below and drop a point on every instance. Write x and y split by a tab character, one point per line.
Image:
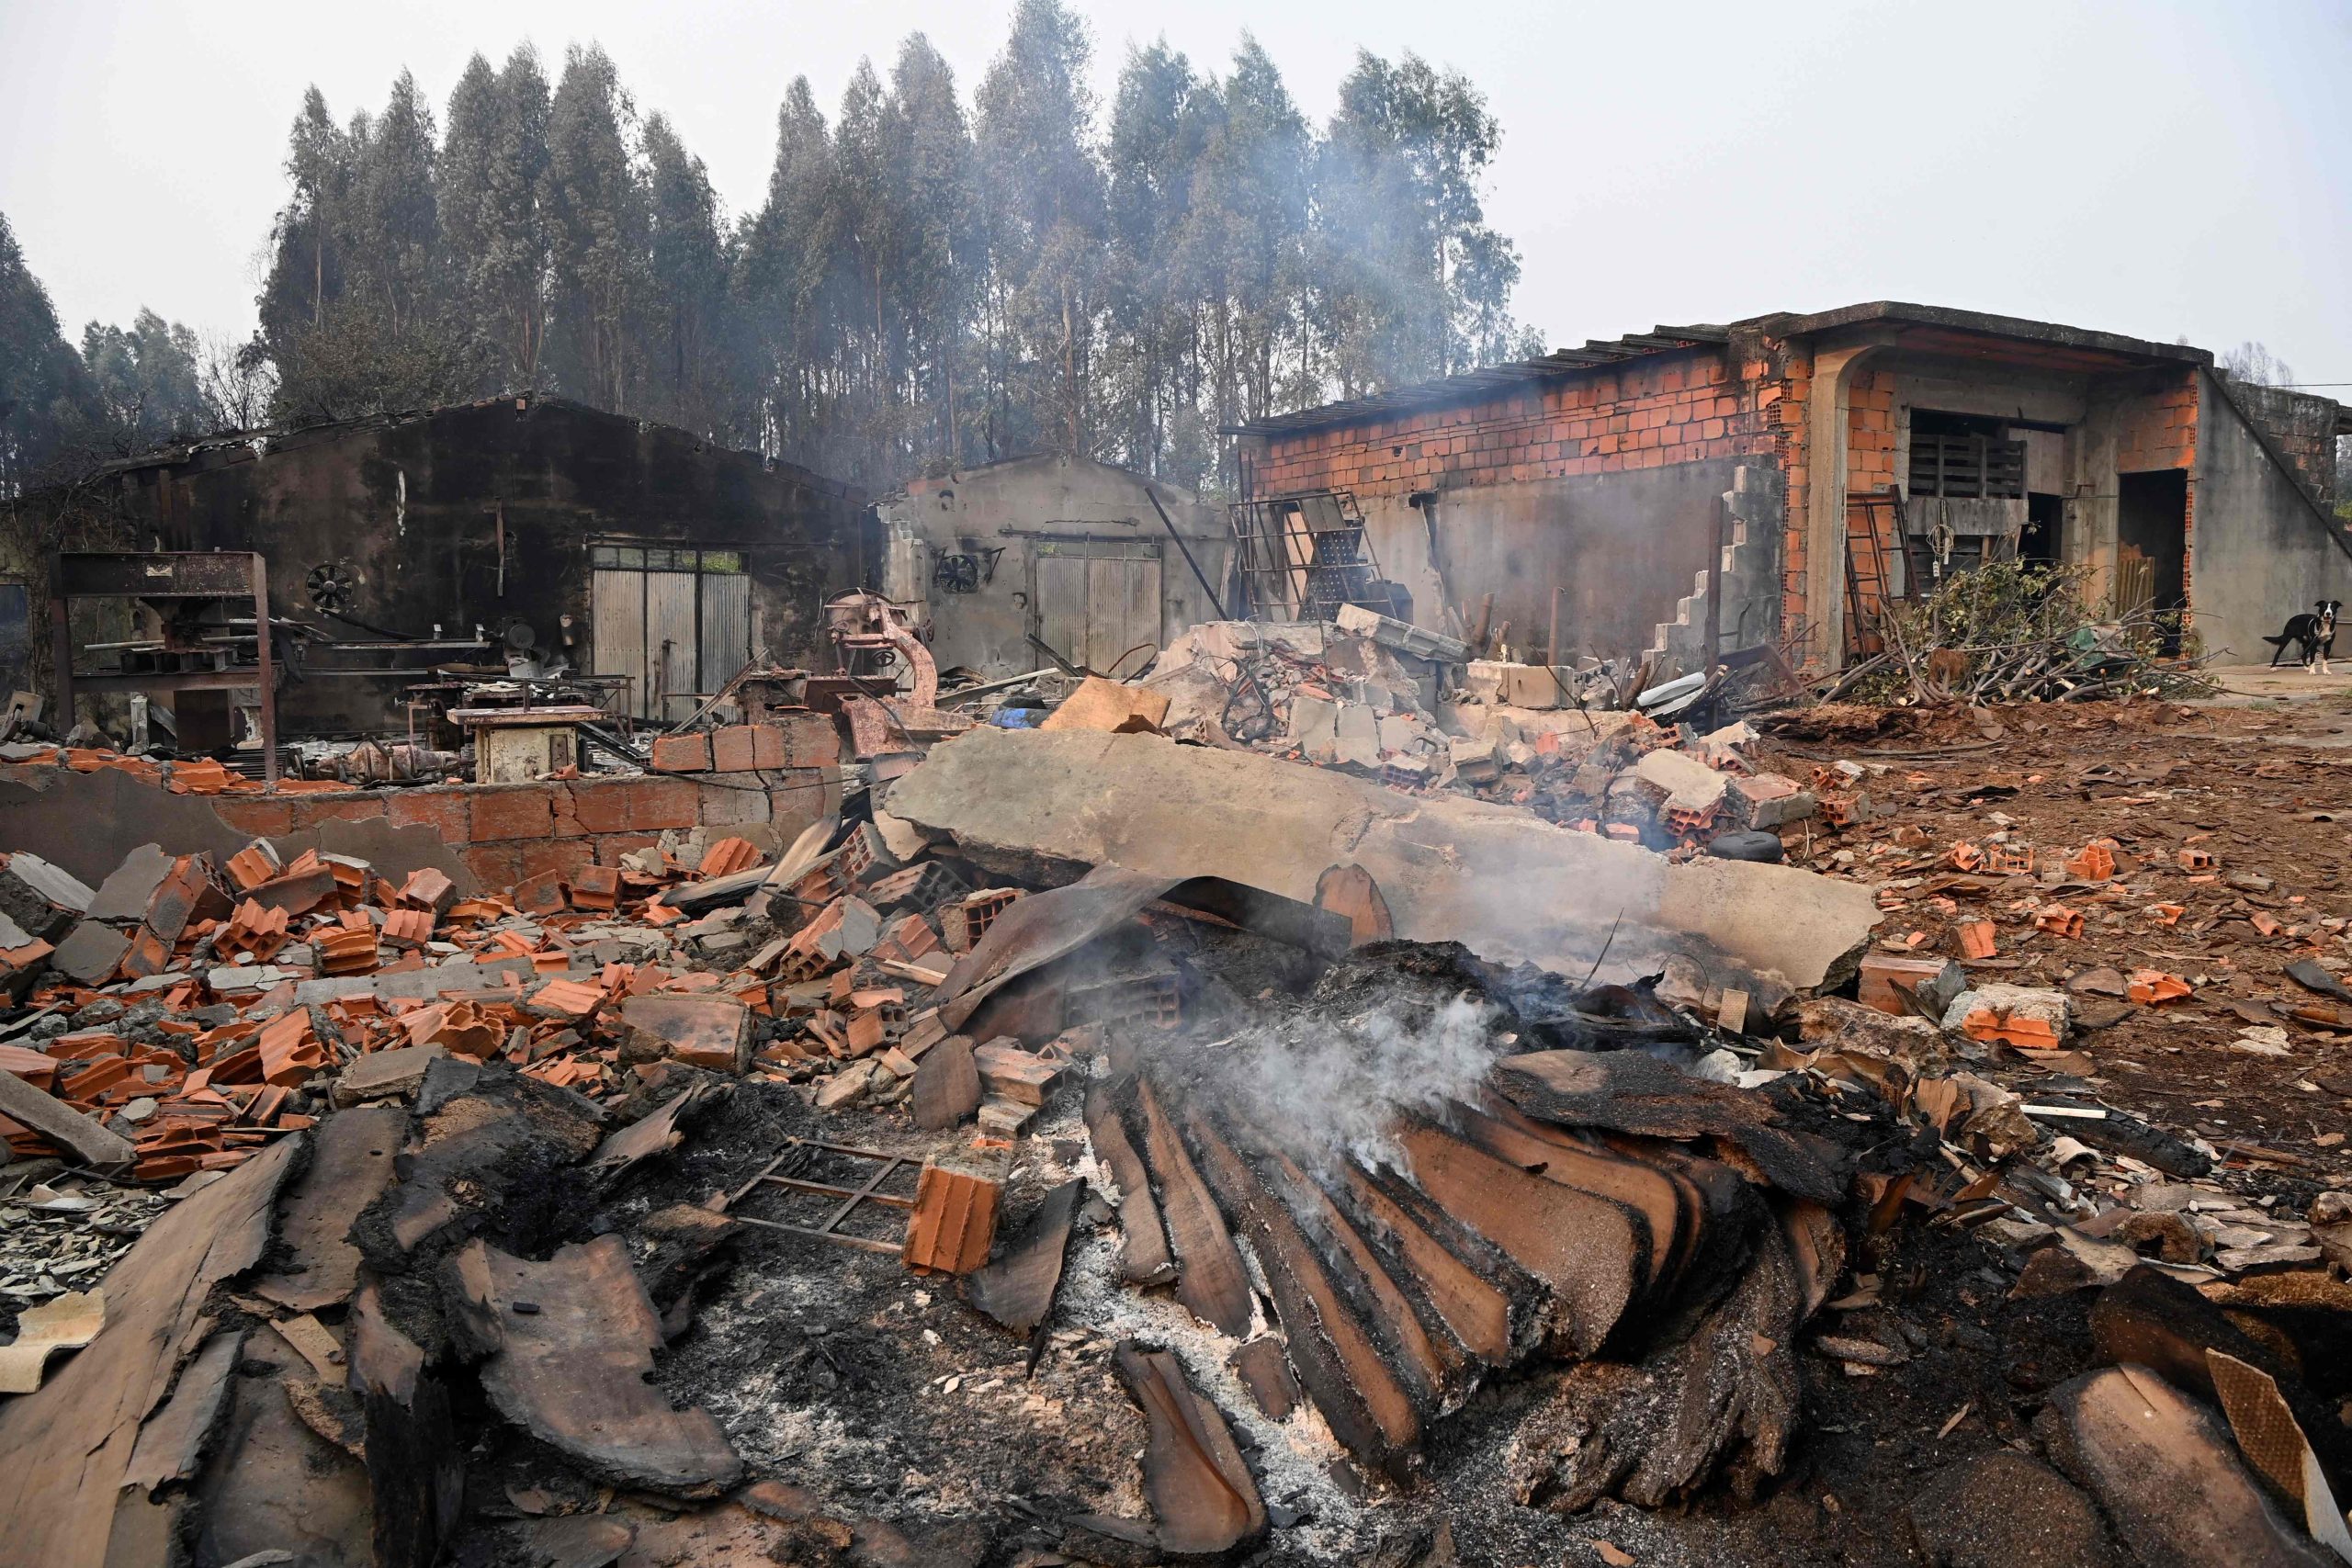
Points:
2021	632
189	1014
1092	1148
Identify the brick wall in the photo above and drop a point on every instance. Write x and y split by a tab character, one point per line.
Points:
1870	461
506	832
1782	392
2302	426
2159	430
1671	408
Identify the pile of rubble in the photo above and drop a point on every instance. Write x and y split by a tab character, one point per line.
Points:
1095	1149
1390	703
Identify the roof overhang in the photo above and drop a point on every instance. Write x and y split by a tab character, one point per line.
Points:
1930	329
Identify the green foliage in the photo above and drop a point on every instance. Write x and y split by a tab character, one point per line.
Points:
49	403
929	280
147	380
2023	630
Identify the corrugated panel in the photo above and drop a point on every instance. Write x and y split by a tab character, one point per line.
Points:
616	601
1121	610
1060	600
1144	615
672	643
726	627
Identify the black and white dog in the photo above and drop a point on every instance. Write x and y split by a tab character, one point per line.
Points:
2316	634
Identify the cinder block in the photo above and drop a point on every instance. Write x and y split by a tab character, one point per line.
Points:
682	753
309	811
448	812
513	811
733	748
556	857
655	804
600	806
810	738
261	816
494	865
726	805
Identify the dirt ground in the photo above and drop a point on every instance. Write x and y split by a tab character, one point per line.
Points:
2258	785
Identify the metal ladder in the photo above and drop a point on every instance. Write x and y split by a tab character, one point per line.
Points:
1866	568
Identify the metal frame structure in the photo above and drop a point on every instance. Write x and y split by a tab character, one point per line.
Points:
830	1230
163	575
1303	556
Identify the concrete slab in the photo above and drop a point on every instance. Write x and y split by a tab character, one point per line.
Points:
1501	880
123	895
1358	740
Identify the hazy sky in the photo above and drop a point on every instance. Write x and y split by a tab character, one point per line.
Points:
2153	169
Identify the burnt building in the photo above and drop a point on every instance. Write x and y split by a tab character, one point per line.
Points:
454	536
1043	559
1805	466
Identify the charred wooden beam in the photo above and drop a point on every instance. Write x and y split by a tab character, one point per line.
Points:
1588	1252
1144	1257
1627	1092
570	1367
1668	1230
1734	1210
1017	1290
1486	1300
1722	1400
1433	1360
1265	1373
946	1085
1210	1280
1205	1502
1345	1369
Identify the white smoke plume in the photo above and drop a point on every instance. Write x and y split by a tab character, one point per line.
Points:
1335	1092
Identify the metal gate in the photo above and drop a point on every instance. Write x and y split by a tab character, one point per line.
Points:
677	622
1096	601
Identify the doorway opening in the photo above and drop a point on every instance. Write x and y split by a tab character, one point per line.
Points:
2152	535
2041	542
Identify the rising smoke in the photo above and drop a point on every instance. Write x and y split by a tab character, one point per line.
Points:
1322	1088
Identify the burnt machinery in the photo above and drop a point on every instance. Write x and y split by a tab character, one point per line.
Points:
214	633
878	646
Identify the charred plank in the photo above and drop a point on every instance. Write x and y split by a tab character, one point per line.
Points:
1588	1252
1210	1280
1627	1092
1343	1368
1203	1501
1144	1259
1666	1229
1485	1302
1723	1400
1017	1290
1432	1362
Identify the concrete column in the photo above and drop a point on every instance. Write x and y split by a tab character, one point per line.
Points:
1827	412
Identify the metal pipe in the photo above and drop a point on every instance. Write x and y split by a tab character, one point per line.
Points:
1185	550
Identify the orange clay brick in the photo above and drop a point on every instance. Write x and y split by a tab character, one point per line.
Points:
2059	920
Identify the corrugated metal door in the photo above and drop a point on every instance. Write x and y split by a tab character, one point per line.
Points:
617	604
1122	612
726	628
671	642
670	620
1096	599
1059	594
